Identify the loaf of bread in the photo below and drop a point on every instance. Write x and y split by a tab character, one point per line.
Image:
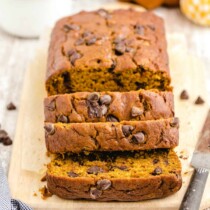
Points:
98	107
116	176
99	51
111	136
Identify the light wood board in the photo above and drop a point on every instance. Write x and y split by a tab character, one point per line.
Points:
28	157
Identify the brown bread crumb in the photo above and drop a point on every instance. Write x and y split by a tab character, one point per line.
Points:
45	192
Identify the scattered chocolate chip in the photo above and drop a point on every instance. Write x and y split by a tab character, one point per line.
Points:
104	184
79	41
86	34
74	57
69	27
199	100
11	106
7	141
105	99
184	95
51	106
63	119
95	193
138	138
139	29
91	41
49	128
44	178
93	96
155	161
136	111
123	168
111	118
112	67
120	48
157	171
174	122
72	174
94	170
127	130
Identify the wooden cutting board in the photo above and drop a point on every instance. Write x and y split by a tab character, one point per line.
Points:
28	161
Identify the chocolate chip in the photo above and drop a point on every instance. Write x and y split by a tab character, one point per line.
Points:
136	111
111	118
79	41
94	170
152	27
71	52
105	99
11	106
123	168
93	96
104	184
199	100
157	171
74	57
120	48
139	29
72	174
103	13
3	135
7	141
112	67
129	49
138	138
184	95
118	40
155	161
49	128
51	106
127	130
95	193
91	41
86	34
63	119
103	110
174	122
69	27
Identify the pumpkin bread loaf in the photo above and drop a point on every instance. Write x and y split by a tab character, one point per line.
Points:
111	136
116	176
103	106
98	51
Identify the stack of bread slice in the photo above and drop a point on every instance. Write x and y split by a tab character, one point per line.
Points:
109	114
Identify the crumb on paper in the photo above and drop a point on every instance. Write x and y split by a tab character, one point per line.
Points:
35	194
43	179
45	193
11	106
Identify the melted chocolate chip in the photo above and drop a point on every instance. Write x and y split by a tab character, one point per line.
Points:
105	99
155	161
139	29
7	141
127	130
174	122
72	174
138	138
69	27
120	48
95	193
71	52
49	128
51	106
86	34
75	56
79	41
104	184
184	95
63	119
91	41
157	171
136	111
93	97
11	106
199	101
111	118
94	170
